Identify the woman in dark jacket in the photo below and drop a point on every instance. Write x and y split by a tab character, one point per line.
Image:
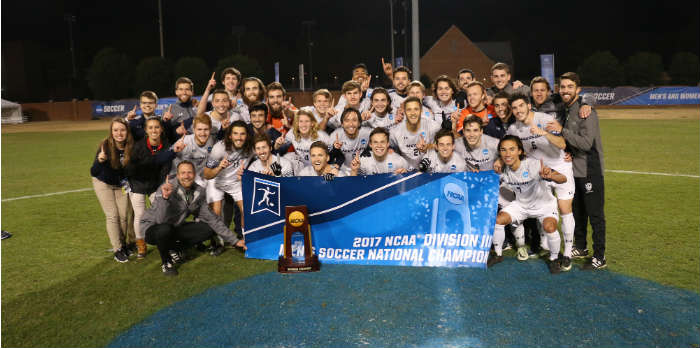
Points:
150	163
107	172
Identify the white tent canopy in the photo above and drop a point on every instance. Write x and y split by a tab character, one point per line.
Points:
11	112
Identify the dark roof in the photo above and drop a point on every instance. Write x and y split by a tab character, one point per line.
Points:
498	51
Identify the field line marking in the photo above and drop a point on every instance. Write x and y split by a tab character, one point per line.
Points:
47	194
607	170
650	173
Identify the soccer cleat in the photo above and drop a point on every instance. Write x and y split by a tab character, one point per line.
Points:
532	255
168	269
120	256
554	266
522	253
176	256
565	263
577	253
216	250
493	259
595	263
507	246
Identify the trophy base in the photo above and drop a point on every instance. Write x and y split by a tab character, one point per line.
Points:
286	265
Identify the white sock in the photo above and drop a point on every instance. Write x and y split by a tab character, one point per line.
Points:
554	244
567	229
499	235
519	234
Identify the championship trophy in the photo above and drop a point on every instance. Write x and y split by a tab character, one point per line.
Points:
298	254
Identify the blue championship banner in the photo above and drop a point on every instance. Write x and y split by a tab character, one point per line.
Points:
413	219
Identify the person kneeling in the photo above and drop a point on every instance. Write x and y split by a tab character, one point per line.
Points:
165	223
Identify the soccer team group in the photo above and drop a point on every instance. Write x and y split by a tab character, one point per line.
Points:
545	144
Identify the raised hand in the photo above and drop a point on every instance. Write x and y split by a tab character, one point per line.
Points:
212	82
224	163
584	111
131	114
279	142
388	68
367	114
179	145
421	146
545	172
399	114
276	168
167	188
181	129
365	83
337	143
517	84
537	130
498	166
225	122
241	169
102	156
168	113
553	126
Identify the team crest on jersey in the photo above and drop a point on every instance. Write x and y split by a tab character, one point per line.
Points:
589	187
390	165
489	116
453	167
423	134
526	174
266	197
485	152
391	117
427	114
363	142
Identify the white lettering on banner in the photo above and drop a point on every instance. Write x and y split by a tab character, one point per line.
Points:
450	239
113	108
413	255
457	255
341	254
400	240
690	95
366	242
604	96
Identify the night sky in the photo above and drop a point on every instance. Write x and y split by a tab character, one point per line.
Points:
348	32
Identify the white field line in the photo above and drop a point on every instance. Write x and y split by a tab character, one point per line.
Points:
607	170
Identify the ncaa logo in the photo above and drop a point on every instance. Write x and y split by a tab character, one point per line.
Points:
99	109
209	149
453	167
391	117
485	152
526	174
363	141
390	165
266	196
454	193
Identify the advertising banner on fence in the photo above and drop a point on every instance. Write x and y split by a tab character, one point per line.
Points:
413	219
644	96
122	107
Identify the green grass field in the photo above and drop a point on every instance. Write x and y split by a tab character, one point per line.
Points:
61	287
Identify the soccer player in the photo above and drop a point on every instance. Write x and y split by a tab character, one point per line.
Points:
476	148
500	76
381	160
412	135
416	89
443	104
464	78
352	92
231	79
319	166
543	100
476	97
281	109
221	115
498	126
165	222
107	171
225	165
258	123
401	77
381	113
442	159
252	91
146	171
304	132
582	136
148	101
182	110
351	138
267	162
198	145
322	109
533	198
548	147
361	76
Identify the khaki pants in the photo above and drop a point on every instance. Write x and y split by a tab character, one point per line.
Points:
114	204
138	202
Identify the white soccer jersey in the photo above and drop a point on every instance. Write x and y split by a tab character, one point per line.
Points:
302	146
196	154
340	106
387	121
287	167
370	165
529	188
227	177
335	120
240	111
434	105
351	146
480	157
455	164
537	146
310	171
313	110
216	124
401	138
396	99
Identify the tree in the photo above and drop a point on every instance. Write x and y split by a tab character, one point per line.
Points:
109	76
246	65
601	69
644	69
196	69
154	74
684	69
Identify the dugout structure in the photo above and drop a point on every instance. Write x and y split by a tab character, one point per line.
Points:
11	113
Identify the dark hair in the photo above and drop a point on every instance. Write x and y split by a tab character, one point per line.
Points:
360	66
148	95
379	130
502	95
347	111
464	71
163	137
380	90
471	118
517	141
501	66
247	145
403	69
261	89
182	80
231	71
411	100
319	144
185	162
450	83
518	96
444	133
540	79
571	76
262	137
276	86
258	107
220	91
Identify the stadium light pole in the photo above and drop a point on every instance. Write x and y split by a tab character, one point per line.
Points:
391	30
309	24
415	42
71	19
160	25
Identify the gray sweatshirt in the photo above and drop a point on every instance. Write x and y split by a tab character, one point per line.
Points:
583	141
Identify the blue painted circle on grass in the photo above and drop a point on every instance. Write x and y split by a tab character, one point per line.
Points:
512	305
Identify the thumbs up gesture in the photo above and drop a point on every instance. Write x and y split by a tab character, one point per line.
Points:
102	156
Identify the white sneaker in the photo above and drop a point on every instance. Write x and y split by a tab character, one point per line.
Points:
522	253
